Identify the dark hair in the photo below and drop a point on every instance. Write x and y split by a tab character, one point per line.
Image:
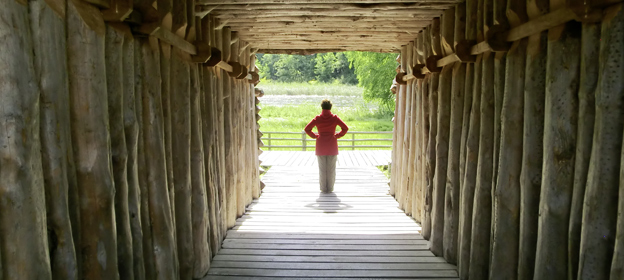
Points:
326	104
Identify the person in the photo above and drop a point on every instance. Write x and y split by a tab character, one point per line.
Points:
326	144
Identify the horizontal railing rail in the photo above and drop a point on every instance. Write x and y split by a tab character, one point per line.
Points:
303	139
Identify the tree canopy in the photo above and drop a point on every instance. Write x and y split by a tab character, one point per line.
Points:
372	71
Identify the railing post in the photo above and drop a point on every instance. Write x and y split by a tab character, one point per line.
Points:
353	141
269	141
303	140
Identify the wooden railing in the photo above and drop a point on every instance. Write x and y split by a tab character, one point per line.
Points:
303	139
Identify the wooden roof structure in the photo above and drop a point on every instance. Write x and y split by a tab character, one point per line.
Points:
314	26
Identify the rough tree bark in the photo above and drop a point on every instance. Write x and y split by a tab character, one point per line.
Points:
532	153
181	143
430	164
114	84
146	224
600	211
482	205
590	47
165	73
153	136
200	211
560	121
131	133
439	179
617	265
507	194
22	207
50	61
91	140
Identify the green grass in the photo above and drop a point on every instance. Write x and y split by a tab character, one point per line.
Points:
309	88
295	118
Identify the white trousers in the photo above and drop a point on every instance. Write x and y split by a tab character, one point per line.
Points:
327	172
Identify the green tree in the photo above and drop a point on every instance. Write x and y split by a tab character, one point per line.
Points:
375	73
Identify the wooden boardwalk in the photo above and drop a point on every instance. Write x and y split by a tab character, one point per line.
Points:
295	232
345	158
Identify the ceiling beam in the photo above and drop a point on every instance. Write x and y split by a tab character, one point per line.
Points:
249	2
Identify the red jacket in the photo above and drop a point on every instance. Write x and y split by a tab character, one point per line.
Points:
326	139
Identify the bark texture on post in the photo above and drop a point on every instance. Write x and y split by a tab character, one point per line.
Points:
533	135
590	50
200	210
181	149
560	121
114	84
601	195
430	164
50	63
23	206
482	209
153	136
507	193
91	143
131	133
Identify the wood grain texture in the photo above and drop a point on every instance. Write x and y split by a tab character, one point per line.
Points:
533	149
304	240
23	210
50	65
600	212
561	119
181	143
114	84
507	195
590	47
91	143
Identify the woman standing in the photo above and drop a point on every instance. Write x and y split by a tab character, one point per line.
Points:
326	144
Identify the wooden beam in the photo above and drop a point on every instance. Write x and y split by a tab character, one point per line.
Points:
249	2
330	5
167	36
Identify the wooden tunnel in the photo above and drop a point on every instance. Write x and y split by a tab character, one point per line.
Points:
129	140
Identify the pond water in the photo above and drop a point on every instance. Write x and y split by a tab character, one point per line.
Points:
289	100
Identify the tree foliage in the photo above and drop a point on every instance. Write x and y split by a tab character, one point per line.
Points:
375	72
372	71
325	67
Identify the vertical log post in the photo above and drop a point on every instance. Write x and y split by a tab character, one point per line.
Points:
50	62
22	208
560	121
507	193
470	150
91	140
600	212
442	140
533	135
590	50
114	84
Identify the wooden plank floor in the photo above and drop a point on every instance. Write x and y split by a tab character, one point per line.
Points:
345	158
357	232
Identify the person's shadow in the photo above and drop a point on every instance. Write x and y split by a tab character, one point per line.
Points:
328	203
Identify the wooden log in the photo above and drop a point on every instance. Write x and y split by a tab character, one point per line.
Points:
460	39
131	133
148	252
453	185
91	142
181	143
114	85
407	120
600	214
23	244
430	164
561	113
153	136
209	133
466	199
179	18
199	202
617	269
479	261
48	27
507	194
218	38
590	46
165	74
532	154
229	133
